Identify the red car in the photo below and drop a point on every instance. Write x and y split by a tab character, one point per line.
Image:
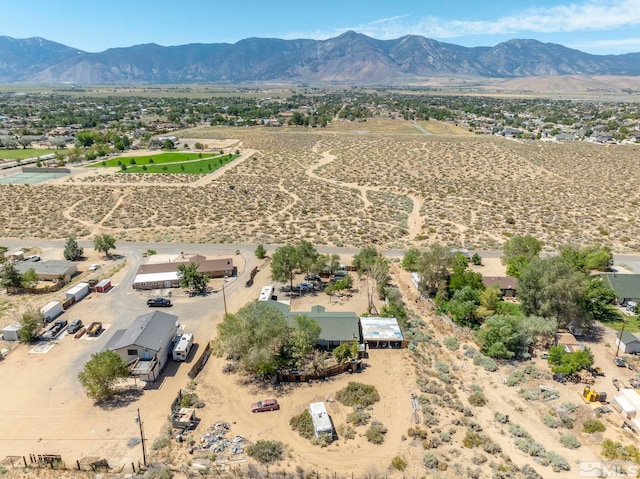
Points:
265	405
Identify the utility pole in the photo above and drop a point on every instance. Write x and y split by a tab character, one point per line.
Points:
620	337
144	449
224	297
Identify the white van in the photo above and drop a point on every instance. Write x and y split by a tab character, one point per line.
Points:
182	347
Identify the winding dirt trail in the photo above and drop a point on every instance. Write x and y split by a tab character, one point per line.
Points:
414	221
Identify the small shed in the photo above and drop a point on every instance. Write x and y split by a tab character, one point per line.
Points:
78	292
51	310
628	342
183	418
103	286
11	332
17	255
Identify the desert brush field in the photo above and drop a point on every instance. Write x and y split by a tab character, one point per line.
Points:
382	182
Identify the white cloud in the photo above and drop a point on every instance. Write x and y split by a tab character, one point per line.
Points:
590	15
631	44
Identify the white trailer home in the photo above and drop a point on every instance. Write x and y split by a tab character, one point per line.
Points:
182	347
322	425
51	310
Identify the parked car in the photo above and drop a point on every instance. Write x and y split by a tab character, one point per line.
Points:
159	303
32	258
94	267
265	405
305	287
74	326
312	277
619	362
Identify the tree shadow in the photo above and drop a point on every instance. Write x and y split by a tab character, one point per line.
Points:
122	398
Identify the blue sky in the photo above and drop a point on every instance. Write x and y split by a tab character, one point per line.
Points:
593	26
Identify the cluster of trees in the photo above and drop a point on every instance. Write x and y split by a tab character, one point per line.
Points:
289	259
446	277
556	292
262	340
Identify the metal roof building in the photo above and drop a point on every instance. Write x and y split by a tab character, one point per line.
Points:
380	332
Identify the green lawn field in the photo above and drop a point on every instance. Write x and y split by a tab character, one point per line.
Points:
632	323
190	167
152	159
28	153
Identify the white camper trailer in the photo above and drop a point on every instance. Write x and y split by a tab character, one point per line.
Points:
266	293
182	347
322	425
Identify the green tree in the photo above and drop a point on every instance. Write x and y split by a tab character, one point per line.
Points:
101	374
73	251
375	268
30	323
3	250
518	251
301	340
307	256
191	279
597	301
85	139
260	252
507	337
569	363
11	277
346	351
594	257
476	259
410	260
552	288
256	335
434	266
490	298
104	243
463	304
30	278
284	263
168	144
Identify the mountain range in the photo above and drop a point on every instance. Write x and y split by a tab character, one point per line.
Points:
350	58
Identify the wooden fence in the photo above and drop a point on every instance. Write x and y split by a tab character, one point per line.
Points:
351	366
199	364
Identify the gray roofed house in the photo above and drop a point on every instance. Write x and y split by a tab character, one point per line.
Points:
147	343
49	270
626	286
337	327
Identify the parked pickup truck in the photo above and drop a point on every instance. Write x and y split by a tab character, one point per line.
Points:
158	303
55	329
